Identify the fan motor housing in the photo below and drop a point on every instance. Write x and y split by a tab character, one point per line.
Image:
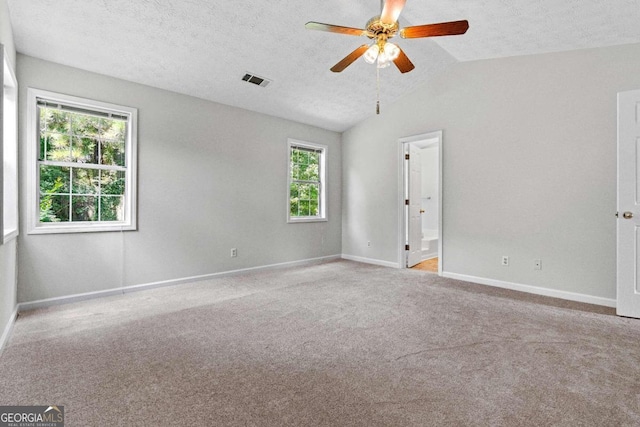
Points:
377	29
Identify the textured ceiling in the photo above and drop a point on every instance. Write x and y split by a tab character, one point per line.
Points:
203	47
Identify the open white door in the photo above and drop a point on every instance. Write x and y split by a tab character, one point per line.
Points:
628	229
414	255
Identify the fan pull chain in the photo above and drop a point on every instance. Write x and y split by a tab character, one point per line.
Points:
377	90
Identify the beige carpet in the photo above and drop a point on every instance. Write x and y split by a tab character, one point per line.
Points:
339	344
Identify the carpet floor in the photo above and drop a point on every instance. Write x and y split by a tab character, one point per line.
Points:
336	344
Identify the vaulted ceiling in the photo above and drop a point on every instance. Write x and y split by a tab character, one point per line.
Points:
204	48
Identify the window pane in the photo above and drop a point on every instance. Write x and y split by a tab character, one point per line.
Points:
314	162
303	175
42	120
304	208
113	137
312	172
293	190
114	130
303	191
84	208
44	143
309	191
84	150
85	181
307	169
54	179
54	208
85	125
293	199
313	158
112	152
112	182
295	171
304	199
112	208
58	147
52	120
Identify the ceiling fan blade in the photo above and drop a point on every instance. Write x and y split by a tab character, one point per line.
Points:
335	29
391	11
349	59
403	63
433	30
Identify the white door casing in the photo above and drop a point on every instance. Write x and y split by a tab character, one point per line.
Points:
414	255
628	223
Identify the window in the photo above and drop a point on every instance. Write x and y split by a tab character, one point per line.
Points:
9	148
82	159
307	182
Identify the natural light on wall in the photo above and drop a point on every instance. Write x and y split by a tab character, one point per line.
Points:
9	152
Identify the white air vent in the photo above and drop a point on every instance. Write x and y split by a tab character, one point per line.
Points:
256	80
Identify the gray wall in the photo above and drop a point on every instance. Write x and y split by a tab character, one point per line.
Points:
210	178
529	168
8	250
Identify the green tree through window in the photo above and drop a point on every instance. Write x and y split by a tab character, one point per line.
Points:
306	186
81	165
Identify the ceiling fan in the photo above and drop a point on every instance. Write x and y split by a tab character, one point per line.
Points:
382	28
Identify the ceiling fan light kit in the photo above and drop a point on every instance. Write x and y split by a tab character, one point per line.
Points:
383	52
381	29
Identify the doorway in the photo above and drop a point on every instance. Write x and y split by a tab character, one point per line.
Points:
420	202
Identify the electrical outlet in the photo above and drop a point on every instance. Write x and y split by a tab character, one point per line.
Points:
368	243
537	264
505	260
234	252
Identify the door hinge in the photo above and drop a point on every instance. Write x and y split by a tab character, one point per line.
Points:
406	157
406	247
406	202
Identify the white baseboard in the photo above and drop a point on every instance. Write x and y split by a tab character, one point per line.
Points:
571	296
371	261
32	305
8	329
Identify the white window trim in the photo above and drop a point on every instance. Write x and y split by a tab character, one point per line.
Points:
33	213
9	79
323	217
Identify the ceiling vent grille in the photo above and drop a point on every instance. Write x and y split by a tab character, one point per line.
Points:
256	80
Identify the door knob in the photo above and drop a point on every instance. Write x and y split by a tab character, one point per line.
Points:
627	215
421	210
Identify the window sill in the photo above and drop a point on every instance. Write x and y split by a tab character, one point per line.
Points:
80	228
309	219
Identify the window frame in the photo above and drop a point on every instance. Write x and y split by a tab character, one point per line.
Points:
322	199
9	90
33	193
